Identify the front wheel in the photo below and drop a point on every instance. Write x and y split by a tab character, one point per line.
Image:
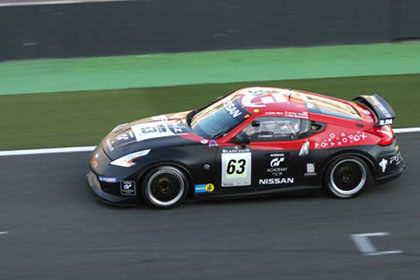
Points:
347	177
165	187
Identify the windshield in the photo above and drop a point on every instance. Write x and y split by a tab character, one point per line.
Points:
219	118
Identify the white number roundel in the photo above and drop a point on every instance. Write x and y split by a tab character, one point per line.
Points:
236	169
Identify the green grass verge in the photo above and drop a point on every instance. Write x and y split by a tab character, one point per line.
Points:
83	118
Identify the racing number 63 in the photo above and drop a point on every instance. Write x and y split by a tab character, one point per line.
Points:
235	166
236	169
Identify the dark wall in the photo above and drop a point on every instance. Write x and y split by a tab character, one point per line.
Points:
148	26
409	26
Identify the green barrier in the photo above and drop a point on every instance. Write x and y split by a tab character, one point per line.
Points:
103	73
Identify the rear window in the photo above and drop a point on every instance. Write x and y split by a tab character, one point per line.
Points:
325	106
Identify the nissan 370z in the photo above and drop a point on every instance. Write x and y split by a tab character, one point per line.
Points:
250	142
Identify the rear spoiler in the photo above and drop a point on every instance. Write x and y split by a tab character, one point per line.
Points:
383	112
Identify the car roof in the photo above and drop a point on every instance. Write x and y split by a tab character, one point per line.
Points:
292	103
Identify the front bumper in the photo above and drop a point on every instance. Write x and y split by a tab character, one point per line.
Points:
105	197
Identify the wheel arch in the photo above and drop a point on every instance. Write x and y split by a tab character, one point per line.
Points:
341	154
175	164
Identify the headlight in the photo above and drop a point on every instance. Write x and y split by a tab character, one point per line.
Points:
128	160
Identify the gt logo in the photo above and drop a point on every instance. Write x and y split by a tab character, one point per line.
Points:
275	162
128	188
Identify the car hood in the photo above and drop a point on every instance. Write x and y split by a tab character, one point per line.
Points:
150	133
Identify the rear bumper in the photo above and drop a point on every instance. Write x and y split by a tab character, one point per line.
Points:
105	197
389	164
392	176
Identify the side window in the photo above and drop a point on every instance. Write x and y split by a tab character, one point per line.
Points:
277	129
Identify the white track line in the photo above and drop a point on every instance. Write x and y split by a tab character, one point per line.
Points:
406	130
362	242
60	2
47	151
91	148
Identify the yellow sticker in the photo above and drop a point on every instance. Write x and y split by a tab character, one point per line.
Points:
209	187
256	110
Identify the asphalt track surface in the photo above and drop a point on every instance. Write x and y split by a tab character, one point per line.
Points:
56	230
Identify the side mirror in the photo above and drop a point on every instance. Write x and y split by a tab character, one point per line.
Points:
242	138
255	123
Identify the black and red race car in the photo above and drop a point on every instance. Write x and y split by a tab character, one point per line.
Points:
253	141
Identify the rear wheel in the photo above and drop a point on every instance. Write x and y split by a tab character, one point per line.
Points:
347	177
165	187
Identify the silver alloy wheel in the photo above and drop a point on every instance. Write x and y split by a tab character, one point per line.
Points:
348	193
166	170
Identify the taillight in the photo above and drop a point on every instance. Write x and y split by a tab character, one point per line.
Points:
385	132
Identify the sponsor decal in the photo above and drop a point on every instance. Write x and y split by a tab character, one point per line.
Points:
236	149
276	181
251	100
160	118
397	159
204	141
300	115
310	169
120	137
146	131
391	161
236	167
232	109
275	168
123	137
380	106
334	140
204	188
287	114
276	161
177	128
260	97
235	109
128	188
107	179
386	122
213	143
383	164
109	144
257	91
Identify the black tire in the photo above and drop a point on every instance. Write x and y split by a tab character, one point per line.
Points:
347	177
165	187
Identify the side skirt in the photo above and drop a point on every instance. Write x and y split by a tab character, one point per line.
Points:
258	193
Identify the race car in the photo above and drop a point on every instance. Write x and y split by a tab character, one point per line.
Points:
253	141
